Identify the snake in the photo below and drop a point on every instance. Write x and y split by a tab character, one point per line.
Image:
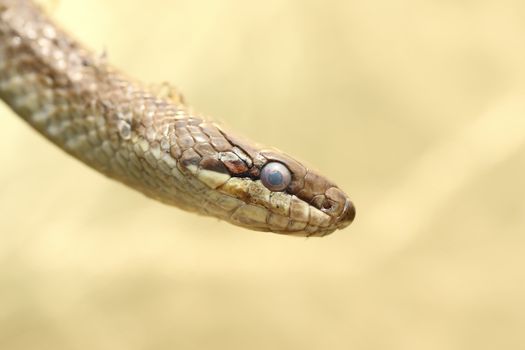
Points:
151	139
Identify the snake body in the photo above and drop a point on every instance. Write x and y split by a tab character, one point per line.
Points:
152	142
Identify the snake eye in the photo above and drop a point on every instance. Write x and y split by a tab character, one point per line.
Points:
275	176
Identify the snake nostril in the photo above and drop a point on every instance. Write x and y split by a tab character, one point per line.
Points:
327	205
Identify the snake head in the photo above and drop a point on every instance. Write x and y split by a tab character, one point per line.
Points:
270	191
314	200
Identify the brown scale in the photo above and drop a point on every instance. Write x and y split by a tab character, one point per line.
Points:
190	157
205	149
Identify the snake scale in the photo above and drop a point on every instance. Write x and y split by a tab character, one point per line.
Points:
154	142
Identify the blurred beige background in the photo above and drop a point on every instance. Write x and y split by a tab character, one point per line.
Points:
415	107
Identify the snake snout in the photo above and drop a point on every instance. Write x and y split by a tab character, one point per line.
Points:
347	216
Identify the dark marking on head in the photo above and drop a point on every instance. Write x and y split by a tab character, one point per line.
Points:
234	164
213	164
